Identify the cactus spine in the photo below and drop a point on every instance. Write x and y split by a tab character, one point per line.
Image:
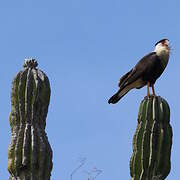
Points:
152	141
29	153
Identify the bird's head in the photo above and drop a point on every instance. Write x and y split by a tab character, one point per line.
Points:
162	47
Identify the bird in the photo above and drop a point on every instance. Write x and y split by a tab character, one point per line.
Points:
145	72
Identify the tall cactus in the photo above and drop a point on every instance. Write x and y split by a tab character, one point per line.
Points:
152	141
29	153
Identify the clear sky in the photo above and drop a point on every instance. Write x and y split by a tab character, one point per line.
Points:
84	46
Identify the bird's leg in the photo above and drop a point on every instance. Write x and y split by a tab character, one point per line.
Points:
153	91
148	94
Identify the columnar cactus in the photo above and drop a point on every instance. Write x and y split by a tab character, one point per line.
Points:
29	154
152	141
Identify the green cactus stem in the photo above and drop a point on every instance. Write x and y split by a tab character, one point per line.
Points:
29	153
152	141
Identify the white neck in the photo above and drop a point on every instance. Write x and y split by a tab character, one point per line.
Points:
163	53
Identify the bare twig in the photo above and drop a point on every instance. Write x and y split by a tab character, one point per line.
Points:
82	162
94	173
97	172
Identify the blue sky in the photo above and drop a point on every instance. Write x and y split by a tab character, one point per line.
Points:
84	46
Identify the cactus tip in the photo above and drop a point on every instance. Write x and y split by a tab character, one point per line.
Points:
30	63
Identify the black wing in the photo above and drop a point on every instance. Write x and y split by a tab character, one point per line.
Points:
143	69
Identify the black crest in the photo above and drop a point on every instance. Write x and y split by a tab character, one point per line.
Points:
161	41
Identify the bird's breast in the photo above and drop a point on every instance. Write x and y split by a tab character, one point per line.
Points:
164	58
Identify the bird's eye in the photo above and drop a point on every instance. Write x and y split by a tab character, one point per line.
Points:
164	43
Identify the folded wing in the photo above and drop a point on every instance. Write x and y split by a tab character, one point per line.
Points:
136	77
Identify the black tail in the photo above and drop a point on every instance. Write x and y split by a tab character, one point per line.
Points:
116	97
